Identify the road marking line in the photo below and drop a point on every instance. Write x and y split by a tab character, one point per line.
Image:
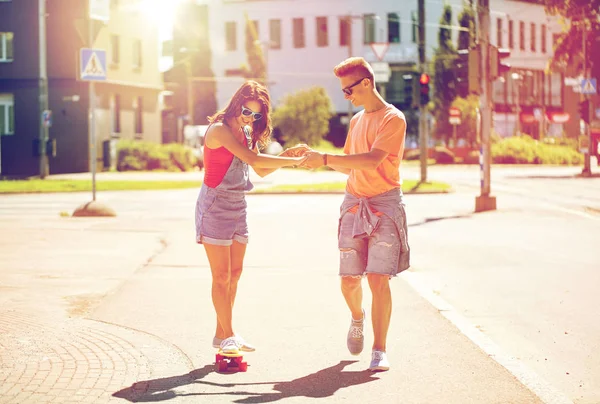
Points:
540	387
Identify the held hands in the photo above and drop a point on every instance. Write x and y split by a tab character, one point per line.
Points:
297	151
313	160
310	158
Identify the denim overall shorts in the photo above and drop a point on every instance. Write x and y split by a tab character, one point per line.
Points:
221	211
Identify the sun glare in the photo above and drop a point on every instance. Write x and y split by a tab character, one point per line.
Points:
161	13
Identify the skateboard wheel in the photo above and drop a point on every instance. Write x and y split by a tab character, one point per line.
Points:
222	366
243	366
218	358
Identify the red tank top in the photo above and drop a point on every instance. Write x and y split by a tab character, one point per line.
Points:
217	162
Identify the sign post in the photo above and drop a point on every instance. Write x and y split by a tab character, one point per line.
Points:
454	120
92	68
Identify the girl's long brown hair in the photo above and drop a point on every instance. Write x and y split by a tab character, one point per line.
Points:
250	90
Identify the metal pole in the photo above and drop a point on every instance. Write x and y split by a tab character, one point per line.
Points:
190	98
422	119
92	112
43	88
587	165
485	201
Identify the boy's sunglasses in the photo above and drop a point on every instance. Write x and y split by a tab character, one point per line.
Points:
248	112
348	90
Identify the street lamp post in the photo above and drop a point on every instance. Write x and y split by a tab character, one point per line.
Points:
517	79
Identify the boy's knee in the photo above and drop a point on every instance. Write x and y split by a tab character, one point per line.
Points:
351	282
378	282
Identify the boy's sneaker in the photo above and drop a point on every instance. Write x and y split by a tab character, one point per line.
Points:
230	345
356	339
245	346
379	362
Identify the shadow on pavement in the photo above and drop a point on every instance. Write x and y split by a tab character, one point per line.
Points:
323	383
437	219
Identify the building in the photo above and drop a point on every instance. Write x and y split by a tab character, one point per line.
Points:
127	102
303	40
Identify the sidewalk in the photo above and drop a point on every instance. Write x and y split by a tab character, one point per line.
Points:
118	310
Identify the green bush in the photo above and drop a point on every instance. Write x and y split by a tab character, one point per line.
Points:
472	157
412	155
136	155
525	150
303	117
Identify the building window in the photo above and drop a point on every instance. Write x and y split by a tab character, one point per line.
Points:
137	54
114	49
7	114
275	34
533	37
511	34
230	36
298	24
322	32
116	114
369	27
139	116
544	39
499	32
393	28
521	35
413	18
344	30
6	46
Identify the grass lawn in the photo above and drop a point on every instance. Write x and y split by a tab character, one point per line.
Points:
409	187
43	186
48	186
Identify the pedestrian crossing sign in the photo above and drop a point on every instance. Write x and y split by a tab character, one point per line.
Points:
588	86
93	64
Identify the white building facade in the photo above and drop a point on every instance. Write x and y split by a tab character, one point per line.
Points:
304	39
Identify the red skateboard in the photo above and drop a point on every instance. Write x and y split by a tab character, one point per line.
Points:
226	362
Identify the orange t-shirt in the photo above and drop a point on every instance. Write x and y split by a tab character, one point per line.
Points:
385	130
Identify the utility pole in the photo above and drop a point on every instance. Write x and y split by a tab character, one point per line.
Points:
485	201
587	165
43	88
423	136
92	112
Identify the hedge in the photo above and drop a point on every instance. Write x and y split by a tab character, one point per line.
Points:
136	155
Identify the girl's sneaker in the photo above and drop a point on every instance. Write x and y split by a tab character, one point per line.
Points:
230	345
246	347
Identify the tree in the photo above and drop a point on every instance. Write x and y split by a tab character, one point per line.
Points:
466	19
468	127
303	117
256	67
578	16
444	91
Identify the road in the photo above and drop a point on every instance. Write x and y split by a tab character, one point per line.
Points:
526	276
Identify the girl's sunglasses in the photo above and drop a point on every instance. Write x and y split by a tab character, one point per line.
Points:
248	112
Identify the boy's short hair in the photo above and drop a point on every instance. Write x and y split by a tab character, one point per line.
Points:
355	66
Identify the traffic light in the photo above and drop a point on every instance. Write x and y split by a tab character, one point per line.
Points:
408	89
468	73
497	68
584	111
424	86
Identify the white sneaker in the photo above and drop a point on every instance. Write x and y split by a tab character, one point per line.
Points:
246	346
355	339
230	345
379	362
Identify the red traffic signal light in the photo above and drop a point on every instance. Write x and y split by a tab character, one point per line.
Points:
424	80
